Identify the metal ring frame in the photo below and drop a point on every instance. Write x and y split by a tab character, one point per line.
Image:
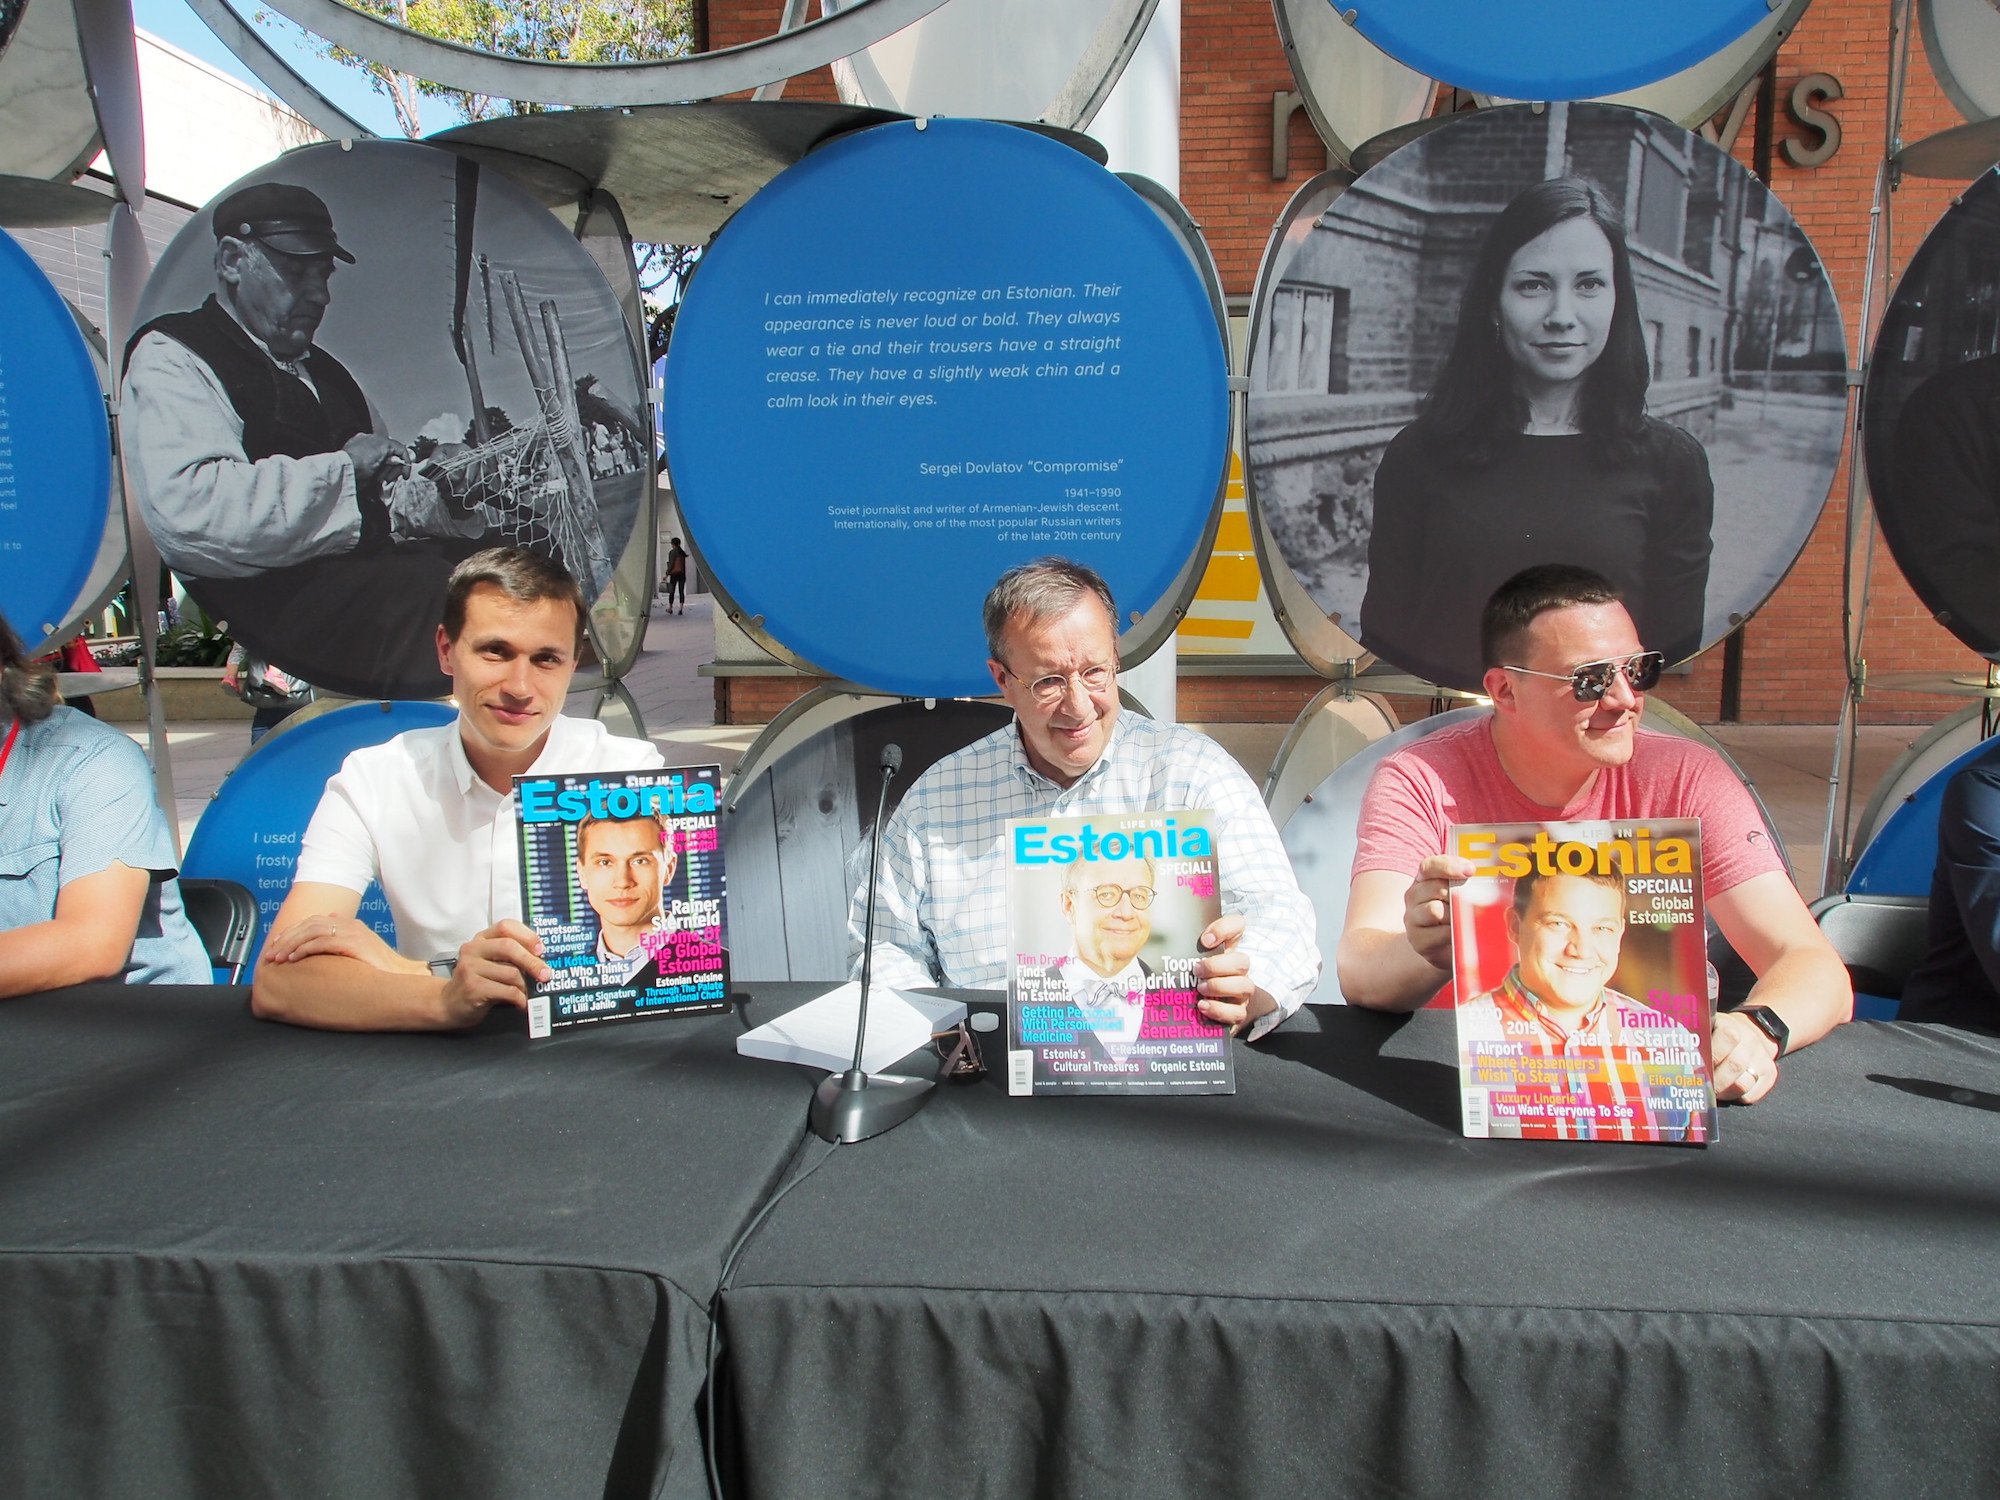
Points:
667	81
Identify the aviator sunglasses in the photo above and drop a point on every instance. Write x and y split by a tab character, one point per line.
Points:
1592	680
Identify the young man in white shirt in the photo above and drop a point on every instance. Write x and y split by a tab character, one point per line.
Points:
430	815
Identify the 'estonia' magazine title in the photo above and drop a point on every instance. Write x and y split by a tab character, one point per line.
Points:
622	879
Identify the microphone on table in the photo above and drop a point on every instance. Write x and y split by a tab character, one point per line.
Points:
854	1105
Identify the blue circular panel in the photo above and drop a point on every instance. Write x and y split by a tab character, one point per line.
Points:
1902	856
920	357
250	833
55	451
1555	49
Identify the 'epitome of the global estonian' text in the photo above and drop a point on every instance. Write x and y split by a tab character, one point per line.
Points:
622	879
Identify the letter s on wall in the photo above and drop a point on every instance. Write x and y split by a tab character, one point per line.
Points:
1807	94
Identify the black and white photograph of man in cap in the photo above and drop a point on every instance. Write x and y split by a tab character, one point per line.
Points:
351	375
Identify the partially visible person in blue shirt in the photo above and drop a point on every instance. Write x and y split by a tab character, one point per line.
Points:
1959	979
87	887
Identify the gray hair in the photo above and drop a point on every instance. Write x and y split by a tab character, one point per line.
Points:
1046	589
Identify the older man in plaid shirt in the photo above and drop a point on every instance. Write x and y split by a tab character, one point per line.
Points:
941	913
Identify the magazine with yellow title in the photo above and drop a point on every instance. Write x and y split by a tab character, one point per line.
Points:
1581	989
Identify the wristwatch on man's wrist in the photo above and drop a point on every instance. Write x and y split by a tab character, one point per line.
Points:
1770	1023
444	965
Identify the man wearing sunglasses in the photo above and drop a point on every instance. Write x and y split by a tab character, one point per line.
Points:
1568	676
941	913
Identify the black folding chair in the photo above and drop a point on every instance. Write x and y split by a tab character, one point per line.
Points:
225	915
1881	939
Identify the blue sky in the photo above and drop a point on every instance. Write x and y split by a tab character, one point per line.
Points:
172	21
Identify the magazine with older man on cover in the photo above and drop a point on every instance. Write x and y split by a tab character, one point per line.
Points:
1104	918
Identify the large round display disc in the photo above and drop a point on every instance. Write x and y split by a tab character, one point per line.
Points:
302	430
1352	88
1052	60
55	453
1962	40
250	832
1563	49
1582	335
924	355
1932	419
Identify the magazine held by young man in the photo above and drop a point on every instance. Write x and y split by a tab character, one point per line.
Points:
1580	963
622	879
1104	915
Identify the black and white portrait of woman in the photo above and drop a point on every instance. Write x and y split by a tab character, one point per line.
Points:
1575	335
1534	446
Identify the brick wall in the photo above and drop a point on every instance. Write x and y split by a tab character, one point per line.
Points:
1244	700
731	23
758	700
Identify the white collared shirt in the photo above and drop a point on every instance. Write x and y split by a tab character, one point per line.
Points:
616	968
414	815
1123	995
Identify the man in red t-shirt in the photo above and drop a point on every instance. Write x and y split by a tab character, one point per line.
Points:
1567	675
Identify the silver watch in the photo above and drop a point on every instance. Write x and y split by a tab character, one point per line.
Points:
444	965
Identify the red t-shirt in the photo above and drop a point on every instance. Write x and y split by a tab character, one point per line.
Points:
1455	776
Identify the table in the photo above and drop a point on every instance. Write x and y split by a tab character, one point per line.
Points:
238	1259
1317	1287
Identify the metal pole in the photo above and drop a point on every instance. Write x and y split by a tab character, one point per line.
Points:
1858	549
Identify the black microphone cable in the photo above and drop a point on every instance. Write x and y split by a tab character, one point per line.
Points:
795	1174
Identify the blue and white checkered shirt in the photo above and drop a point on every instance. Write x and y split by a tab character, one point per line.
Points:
76	796
941	910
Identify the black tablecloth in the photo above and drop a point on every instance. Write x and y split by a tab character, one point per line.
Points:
1318	1287
238	1259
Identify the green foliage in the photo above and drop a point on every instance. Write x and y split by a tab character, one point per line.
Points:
546	30
663	275
195	642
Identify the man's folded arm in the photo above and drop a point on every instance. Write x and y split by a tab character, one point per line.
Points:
89	937
318	969
1798	973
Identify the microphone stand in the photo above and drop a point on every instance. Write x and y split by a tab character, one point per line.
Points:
852	1106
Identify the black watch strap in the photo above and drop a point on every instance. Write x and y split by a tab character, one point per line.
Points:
1770	1023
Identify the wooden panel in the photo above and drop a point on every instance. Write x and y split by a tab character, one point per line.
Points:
812	794
755	891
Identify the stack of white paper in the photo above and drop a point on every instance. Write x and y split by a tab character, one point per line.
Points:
820	1033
